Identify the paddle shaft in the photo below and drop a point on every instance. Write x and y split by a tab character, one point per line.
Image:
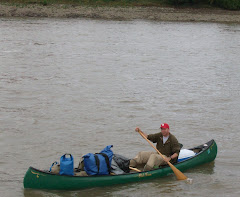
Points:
140	132
178	173
135	169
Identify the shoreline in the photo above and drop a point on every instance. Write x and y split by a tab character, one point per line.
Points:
122	13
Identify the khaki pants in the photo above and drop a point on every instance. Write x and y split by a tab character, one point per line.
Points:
150	159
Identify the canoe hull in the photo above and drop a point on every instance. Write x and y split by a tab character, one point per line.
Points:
37	179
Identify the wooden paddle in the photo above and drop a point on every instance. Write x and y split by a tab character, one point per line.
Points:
135	169
178	173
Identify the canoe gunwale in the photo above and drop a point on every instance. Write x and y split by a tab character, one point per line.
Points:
203	149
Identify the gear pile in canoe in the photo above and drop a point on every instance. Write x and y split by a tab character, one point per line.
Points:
38	179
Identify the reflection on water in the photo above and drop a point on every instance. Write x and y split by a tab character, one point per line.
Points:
203	169
70	85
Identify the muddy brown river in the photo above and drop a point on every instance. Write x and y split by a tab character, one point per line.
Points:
75	86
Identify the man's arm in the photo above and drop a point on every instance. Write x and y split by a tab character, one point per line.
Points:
175	155
176	148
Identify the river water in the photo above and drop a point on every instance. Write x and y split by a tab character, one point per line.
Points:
72	85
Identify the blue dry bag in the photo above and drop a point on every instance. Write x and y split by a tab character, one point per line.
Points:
98	163
53	164
66	165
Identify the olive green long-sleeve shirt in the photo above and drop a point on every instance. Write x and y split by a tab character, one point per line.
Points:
170	147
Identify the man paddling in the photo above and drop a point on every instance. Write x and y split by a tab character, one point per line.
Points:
167	144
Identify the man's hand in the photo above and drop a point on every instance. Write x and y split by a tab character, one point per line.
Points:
137	129
167	159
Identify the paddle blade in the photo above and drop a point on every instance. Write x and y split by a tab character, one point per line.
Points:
178	173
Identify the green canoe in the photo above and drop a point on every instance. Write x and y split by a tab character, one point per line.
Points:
37	179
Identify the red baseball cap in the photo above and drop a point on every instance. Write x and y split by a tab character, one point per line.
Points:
164	126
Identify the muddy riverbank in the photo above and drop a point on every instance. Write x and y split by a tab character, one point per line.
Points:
121	13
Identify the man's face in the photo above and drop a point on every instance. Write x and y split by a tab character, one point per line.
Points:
165	132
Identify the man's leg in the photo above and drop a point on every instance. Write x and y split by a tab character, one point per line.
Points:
154	160
141	158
